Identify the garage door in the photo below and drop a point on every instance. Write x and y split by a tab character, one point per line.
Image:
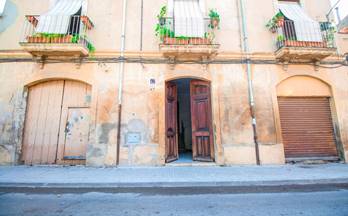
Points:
307	128
57	123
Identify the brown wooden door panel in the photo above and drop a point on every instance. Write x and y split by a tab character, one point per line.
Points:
76	94
42	123
76	133
307	127
172	152
47	111
202	133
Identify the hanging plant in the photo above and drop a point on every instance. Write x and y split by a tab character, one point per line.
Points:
162	15
276	22
214	19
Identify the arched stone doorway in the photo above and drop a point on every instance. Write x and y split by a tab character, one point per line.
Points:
188	121
56	128
305	112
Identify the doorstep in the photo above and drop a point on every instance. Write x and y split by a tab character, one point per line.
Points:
191	164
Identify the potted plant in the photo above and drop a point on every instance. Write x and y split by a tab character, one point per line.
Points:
61	38
214	19
182	40
165	34
199	41
161	16
277	20
38	38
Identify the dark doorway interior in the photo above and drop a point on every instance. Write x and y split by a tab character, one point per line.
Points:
184	120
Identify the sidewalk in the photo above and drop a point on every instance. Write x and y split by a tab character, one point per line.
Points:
85	177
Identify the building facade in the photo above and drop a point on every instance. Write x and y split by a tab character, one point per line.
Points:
122	82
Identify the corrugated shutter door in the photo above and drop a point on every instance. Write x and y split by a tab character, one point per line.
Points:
307	128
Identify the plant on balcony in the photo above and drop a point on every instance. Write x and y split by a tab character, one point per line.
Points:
162	30
161	16
182	40
276	21
214	19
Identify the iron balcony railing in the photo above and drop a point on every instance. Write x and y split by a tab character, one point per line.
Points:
186	31
57	30
305	34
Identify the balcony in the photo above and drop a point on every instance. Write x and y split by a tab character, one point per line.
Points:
59	36
187	38
304	42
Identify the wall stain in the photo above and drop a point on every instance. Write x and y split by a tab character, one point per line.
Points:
105	131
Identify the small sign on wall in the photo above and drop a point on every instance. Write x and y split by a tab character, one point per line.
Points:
133	138
152	84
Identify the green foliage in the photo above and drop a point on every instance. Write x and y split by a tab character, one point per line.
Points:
213	14
49	35
90	47
280	38
163	12
272	23
329	31
163	31
182	38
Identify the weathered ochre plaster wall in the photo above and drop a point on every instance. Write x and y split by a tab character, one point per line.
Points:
143	107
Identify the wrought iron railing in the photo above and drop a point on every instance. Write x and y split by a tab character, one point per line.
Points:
304	34
57	30
186	31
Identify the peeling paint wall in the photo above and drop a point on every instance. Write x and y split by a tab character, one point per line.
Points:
143	117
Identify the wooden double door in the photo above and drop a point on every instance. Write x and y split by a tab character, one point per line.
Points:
201	121
57	123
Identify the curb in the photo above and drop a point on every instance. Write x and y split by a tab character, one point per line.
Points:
179	187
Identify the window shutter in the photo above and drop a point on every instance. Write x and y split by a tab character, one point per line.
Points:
202	6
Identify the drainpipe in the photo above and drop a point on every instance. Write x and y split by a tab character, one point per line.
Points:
249	77
120	82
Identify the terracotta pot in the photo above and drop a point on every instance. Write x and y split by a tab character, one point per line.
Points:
315	44
198	41
87	22
182	41
215	22
37	39
280	22
168	40
63	39
295	43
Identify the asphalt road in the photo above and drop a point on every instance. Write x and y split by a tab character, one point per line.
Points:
261	204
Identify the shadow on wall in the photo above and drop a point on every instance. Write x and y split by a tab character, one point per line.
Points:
9	16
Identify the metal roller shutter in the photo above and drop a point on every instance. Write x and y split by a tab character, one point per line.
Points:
307	127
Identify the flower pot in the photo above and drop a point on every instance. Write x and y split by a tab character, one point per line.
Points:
37	39
280	22
87	22
62	39
199	41
214	22
182	41
169	41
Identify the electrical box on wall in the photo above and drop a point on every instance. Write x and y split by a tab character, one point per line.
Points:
133	138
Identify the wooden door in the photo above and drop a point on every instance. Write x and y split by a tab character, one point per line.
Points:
171	122
76	99
41	126
76	133
201	117
307	127
44	138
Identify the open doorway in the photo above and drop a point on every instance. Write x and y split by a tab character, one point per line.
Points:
184	120
189	134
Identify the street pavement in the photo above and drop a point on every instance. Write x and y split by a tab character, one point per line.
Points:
88	177
330	203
